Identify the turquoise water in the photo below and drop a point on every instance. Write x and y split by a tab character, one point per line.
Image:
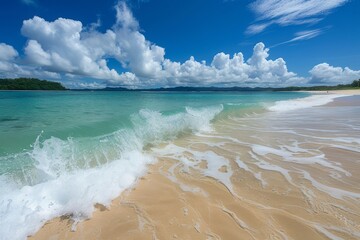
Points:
24	115
62	152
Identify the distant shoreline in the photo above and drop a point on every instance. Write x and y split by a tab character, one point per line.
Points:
33	84
225	89
30	84
348	92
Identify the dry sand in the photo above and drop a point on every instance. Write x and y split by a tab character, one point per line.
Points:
171	203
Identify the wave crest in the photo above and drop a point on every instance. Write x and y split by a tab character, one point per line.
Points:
68	177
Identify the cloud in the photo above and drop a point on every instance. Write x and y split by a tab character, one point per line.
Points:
7	52
62	47
85	85
138	54
29	2
78	56
231	71
65	46
325	74
257	28
290	12
9	67
303	35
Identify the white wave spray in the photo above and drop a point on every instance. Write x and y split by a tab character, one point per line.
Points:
68	177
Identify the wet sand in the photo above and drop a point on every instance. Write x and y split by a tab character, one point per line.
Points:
264	176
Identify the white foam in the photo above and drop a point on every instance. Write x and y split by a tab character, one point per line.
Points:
327	233
68	177
72	194
258	176
332	191
202	116
299	103
271	167
214	163
291	156
170	174
153	126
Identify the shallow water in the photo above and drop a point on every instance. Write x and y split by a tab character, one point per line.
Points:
63	152
298	171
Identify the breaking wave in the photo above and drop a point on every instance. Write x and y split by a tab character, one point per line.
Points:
68	177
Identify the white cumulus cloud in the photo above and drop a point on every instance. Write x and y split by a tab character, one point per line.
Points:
325	74
60	47
231	71
7	52
9	67
65	49
138	54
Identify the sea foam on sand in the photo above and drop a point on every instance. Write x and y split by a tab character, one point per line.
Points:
299	103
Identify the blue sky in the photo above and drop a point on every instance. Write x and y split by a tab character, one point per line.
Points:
191	43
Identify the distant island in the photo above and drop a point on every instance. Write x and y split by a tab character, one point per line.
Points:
29	84
37	84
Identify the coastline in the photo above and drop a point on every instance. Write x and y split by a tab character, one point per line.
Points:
193	206
344	92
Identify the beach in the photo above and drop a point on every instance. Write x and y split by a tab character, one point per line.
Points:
262	174
205	120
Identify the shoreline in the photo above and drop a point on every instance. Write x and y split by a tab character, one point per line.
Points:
138	212
345	92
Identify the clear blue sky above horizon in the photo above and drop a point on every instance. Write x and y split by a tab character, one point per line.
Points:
317	36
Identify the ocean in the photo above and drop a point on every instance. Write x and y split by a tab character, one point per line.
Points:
63	152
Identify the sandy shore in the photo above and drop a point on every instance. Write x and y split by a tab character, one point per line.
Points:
341	92
174	201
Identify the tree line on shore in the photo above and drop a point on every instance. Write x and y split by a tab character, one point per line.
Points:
354	85
29	84
37	84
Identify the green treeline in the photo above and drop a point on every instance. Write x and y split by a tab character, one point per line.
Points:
29	84
354	85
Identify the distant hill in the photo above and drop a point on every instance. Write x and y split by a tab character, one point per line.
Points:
29	84
36	84
181	89
354	85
